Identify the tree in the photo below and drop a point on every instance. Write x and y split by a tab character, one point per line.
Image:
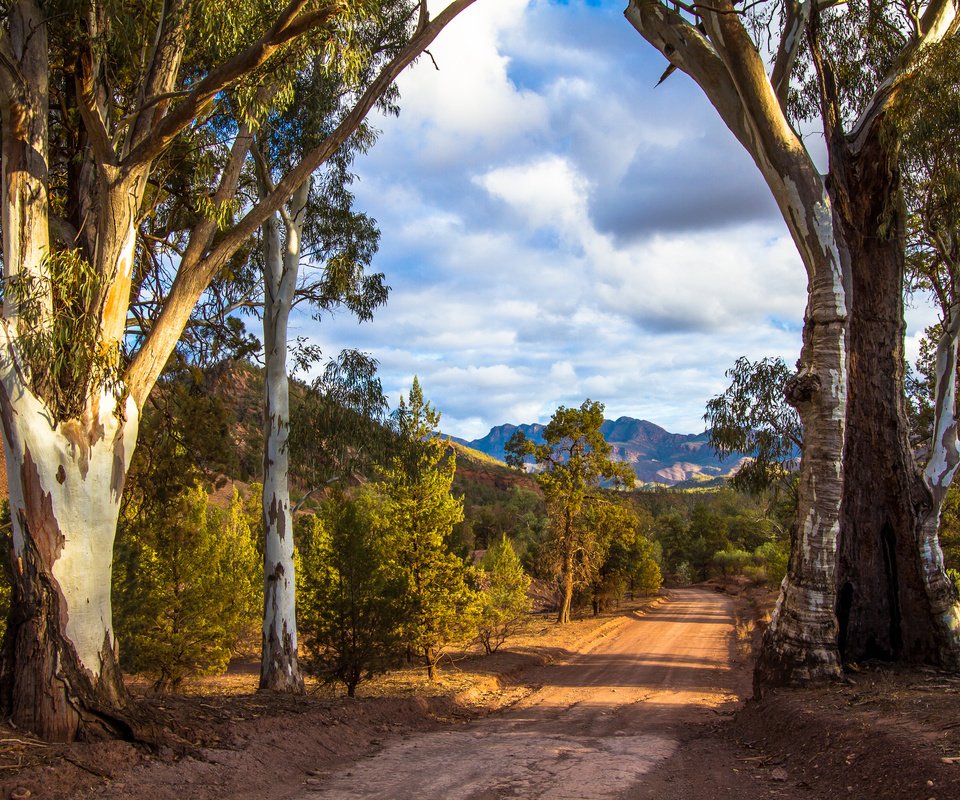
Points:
504	602
97	108
752	417
572	461
418	519
865	579
320	224
624	557
350	603
186	587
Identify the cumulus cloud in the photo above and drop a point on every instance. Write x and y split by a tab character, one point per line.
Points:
555	229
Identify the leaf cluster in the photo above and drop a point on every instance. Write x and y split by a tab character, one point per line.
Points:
60	345
752	417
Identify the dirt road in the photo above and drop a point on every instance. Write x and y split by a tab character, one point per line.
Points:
596	725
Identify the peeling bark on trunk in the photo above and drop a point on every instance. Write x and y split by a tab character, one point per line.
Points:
60	676
800	643
279	667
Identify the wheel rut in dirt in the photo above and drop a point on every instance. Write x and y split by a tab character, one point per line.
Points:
594	726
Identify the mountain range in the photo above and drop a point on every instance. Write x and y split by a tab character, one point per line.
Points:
656	455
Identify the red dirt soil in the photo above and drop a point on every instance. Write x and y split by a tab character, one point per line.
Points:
881	734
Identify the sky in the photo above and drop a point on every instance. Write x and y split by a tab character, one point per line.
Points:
555	228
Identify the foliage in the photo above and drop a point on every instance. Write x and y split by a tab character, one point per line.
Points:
697	530
571	464
495	505
504	600
773	557
337	426
752	417
629	560
186	586
731	561
60	344
350	605
417	521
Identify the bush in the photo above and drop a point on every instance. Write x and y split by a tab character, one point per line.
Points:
773	557
503	602
187	585
349	604
954	575
731	562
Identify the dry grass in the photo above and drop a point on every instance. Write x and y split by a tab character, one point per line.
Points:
466	673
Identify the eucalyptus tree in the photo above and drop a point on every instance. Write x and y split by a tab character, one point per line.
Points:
321	228
865	577
571	463
95	96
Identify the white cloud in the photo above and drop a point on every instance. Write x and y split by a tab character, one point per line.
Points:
555	229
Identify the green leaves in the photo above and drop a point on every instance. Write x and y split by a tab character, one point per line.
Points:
59	332
418	519
350	603
752	417
187	581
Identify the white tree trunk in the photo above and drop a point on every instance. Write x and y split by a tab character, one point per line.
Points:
279	668
65	484
800	643
938	475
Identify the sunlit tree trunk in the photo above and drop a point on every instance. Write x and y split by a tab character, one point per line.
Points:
65	483
279	668
566	571
865	575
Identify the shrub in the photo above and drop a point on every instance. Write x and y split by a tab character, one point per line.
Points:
349	604
504	602
187	584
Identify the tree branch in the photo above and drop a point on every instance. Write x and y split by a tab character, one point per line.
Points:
798	16
287	28
687	48
938	23
193	278
86	84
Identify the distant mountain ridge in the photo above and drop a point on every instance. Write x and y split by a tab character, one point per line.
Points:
656	455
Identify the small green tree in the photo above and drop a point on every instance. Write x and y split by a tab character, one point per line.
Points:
418	519
504	602
573	461
186	584
349	605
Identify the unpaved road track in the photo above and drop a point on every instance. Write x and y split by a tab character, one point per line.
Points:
596	725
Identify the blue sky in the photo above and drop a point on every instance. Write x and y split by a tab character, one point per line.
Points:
554	228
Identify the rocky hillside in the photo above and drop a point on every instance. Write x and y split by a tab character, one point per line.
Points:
656	455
